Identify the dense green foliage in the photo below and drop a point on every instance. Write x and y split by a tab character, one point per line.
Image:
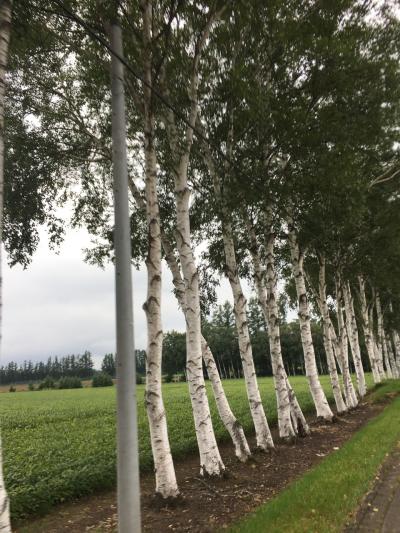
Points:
47	383
60	445
314	85
108	364
102	380
69	382
323	498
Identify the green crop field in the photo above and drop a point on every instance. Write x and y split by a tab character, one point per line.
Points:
61	444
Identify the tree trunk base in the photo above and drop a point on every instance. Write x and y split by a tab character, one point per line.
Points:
302	432
324	421
261	449
224	474
172	502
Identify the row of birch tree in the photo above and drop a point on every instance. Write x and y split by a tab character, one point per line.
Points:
263	147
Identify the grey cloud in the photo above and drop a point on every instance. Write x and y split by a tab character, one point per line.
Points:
61	305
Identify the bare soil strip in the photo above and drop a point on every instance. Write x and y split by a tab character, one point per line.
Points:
210	504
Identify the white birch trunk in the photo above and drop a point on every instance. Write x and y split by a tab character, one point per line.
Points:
343	351
352	331
381	337
233	426
379	357
386	356
235	429
263	433
368	333
268	297
269	307
210	460
166	484
391	357
375	341
317	392
299	421
326	327
5	526
5	30
396	344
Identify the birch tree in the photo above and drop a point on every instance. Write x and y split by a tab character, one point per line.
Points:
233	426
210	459
263	433
5	32
166	484
352	331
291	421
328	339
343	347
297	256
368	332
382	337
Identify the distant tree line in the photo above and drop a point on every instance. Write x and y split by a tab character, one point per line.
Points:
80	366
108	365
221	334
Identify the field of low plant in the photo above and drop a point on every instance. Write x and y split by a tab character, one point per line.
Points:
61	444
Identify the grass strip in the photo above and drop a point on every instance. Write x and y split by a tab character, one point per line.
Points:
322	499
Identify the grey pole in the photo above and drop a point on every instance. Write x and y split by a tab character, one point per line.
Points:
127	435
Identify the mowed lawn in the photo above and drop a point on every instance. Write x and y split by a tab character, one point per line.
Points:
61	444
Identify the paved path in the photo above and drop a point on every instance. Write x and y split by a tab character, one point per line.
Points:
380	512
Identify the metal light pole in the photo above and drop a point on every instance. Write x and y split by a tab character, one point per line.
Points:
127	435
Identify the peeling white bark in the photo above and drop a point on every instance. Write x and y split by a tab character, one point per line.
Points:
368	333
386	358
5	526
166	484
342	348
375	340
352	331
391	357
269	307
396	343
317	392
268	297
235	429
346	378
263	433
326	328
381	337
5	30
210	459
233	426
299	421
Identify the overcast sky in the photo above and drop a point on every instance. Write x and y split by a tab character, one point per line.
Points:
61	305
